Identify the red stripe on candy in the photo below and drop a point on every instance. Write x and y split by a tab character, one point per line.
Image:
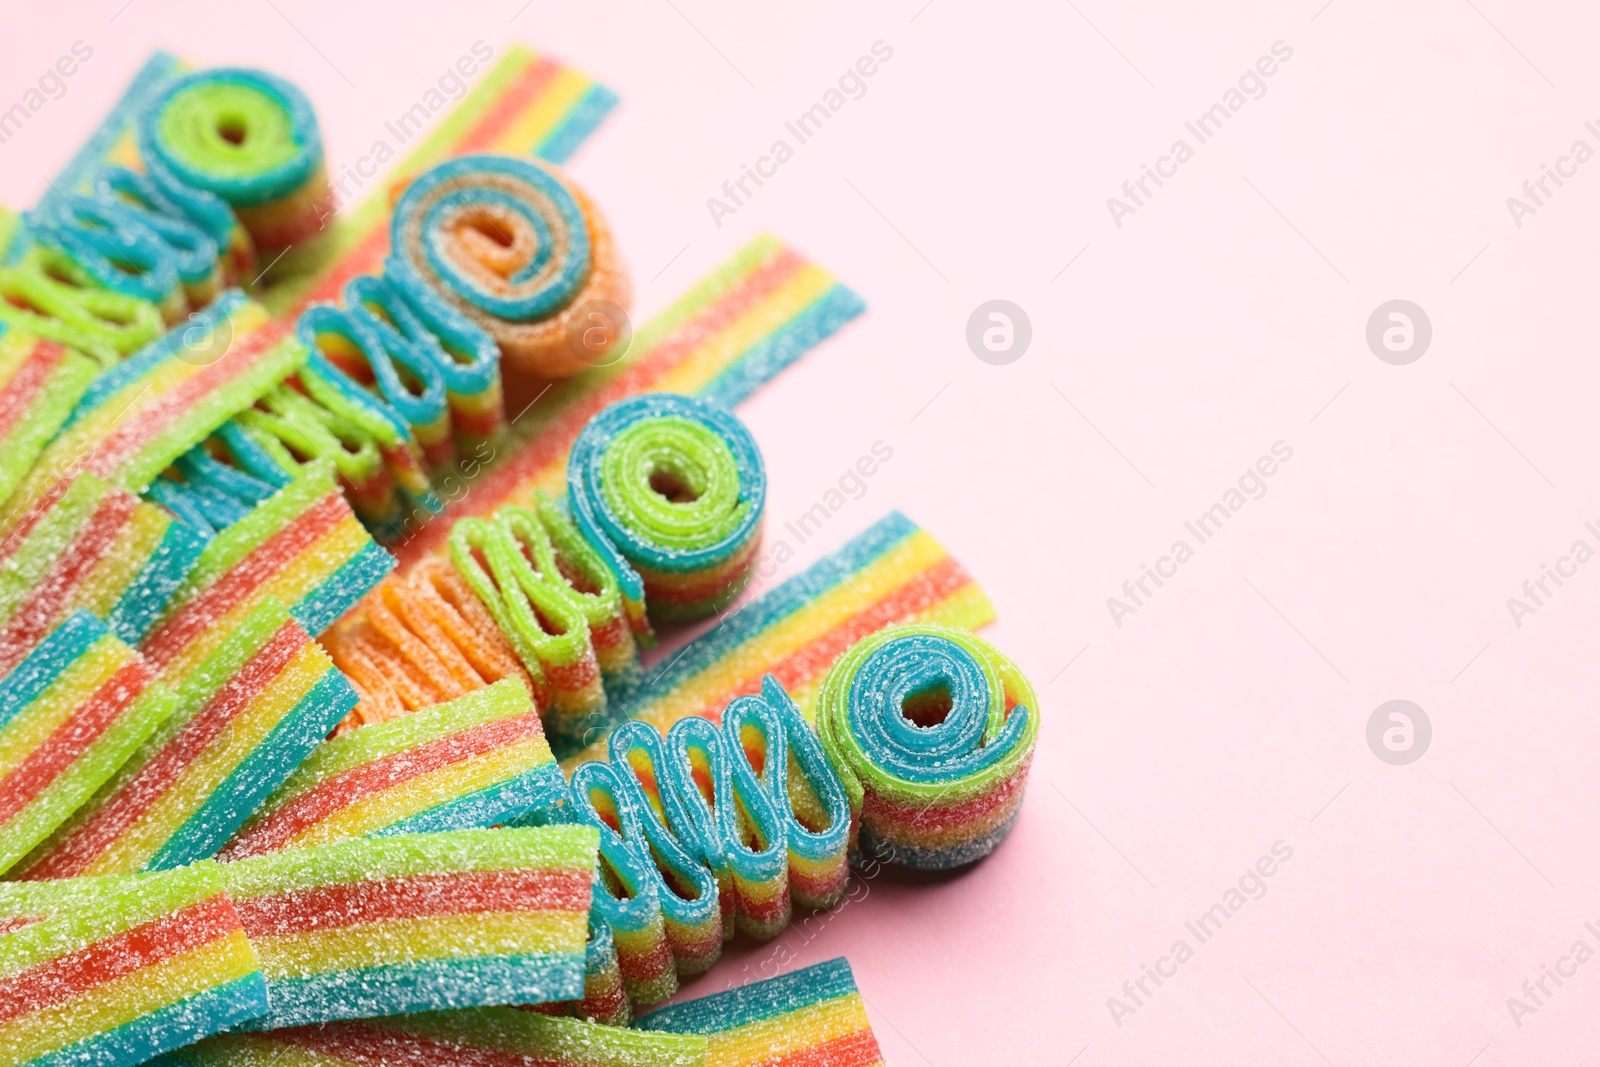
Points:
513	99
19	392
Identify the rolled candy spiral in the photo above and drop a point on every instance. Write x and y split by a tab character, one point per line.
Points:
671	490
932	731
516	249
248	138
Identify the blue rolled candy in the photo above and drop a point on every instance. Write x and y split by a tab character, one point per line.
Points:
395	402
439	199
118	250
618	544
132	196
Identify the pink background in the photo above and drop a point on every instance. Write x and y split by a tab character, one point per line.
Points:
1229	713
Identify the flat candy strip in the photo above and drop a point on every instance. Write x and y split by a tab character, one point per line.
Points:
40	383
489	1037
477	761
71	713
813	1017
303	546
113	971
751	318
96	549
377	926
938	793
245	719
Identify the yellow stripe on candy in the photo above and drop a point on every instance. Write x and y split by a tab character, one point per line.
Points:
792	1031
536	125
60	701
400	941
122	1000
109	580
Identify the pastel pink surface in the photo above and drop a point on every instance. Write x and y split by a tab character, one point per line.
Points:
1226	314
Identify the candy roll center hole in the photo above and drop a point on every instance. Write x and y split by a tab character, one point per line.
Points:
670	486
927	707
231	128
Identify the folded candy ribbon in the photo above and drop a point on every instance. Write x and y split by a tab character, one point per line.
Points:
245	718
476	761
932	732
70	714
379	925
112	971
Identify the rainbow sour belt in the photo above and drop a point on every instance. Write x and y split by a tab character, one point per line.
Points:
113	971
376	926
245	719
40	382
932	731
813	1017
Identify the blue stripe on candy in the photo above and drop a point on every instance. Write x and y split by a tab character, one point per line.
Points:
755	1002
536	789
45	663
580	122
749	621
354	579
172	1027
266	768
147	598
535	978
932	859
156	352
764	360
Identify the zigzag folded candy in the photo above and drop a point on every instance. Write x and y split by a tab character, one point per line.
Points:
514	247
477	761
670	490
813	1017
247	138
708	830
482	1036
245	719
47	294
377	926
95	549
932	731
139	417
748	320
40	383
892	572
113	971
303	545
71	713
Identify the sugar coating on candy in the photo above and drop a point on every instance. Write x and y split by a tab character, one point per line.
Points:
303	545
380	925
670	491
139	417
40	383
735	330
892	572
245	718
482	1036
71	713
932	732
814	1016
113	971
46	294
96	549
476	761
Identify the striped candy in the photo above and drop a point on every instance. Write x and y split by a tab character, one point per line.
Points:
40	382
526	105
113	971
932	731
814	1017
96	549
490	1037
303	546
476	761
752	317
70	714
376	926
245	719
892	572
139	417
